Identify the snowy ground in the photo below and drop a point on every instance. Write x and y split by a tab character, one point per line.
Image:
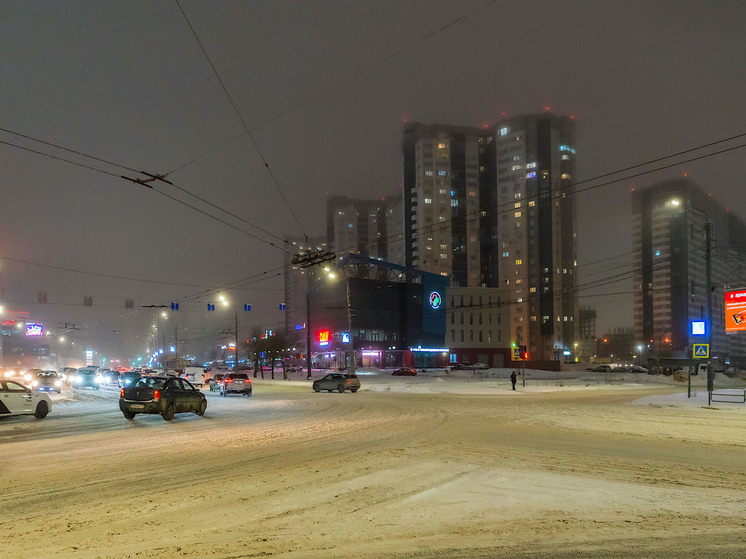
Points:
438	465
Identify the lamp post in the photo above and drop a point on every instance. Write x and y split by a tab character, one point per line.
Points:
308	333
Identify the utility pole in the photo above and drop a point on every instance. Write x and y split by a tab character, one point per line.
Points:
235	367
708	281
308	334
352	363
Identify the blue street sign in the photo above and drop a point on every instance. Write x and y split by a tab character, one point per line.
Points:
210	307
174	306
282	306
701	351
247	307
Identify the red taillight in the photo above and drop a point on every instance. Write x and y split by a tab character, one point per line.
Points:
229	380
121	393
156	395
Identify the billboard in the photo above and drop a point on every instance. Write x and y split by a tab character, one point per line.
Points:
34	329
735	311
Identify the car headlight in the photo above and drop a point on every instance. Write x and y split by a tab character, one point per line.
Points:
35	383
57	383
27	377
78	379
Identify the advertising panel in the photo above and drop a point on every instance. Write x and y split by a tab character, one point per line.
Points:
735	311
34	329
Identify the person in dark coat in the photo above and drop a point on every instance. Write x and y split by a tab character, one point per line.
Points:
513	378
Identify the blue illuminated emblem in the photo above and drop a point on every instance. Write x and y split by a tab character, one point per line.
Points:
435	300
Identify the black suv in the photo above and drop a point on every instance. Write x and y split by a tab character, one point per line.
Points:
337	381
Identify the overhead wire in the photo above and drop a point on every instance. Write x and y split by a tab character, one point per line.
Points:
240	117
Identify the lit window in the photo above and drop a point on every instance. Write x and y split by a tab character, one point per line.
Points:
441	146
517	205
531	203
442	173
519	262
531	165
517	214
532	290
454	203
517	167
565	157
428	173
506	254
442	192
504	131
567	148
566	176
428	200
531	175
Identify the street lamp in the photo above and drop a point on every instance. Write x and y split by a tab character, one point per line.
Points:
330	274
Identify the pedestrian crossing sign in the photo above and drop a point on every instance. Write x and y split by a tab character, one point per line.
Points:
701	351
517	354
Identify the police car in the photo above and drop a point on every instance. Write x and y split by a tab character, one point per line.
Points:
16	399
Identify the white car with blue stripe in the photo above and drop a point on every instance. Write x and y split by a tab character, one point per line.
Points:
16	399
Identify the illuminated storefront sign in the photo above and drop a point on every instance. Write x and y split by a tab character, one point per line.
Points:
324	338
735	311
34	329
435	300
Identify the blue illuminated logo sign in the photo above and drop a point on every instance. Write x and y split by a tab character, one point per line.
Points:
345	337
435	300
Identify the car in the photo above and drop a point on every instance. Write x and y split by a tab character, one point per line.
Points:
196	376
16	399
601	369
87	378
337	381
404	372
637	369
30	375
238	383
480	366
461	367
47	381
295	369
11	374
128	377
110	376
161	395
67	374
215	381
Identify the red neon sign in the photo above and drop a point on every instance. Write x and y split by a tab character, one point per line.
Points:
324	337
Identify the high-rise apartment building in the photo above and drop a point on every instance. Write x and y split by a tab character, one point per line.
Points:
672	221
441	201
528	228
494	207
371	228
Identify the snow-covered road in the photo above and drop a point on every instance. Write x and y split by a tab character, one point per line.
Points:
407	467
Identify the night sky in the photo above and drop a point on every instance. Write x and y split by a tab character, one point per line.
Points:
323	88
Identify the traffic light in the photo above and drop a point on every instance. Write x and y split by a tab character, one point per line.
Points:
524	352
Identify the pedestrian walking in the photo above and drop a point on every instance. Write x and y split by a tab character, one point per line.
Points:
513	378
